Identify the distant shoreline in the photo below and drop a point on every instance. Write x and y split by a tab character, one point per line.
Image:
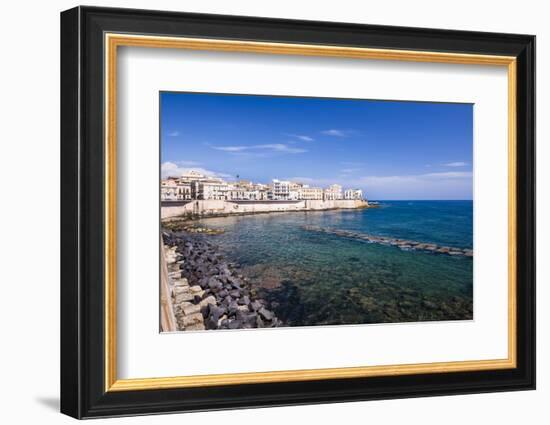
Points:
219	208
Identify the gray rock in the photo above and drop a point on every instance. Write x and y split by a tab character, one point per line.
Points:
216	312
234	324
266	314
224	270
276	323
234	282
211	323
249	319
214	283
256	305
205	310
233	308
244	300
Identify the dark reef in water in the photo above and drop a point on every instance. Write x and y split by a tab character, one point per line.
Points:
403	244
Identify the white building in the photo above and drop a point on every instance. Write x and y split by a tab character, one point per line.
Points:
333	193
195	185
353	194
280	190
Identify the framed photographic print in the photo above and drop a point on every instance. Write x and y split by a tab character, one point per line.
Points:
261	212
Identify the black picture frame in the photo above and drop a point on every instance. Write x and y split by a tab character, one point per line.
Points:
83	392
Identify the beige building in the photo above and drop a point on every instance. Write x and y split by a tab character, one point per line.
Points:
262	190
213	188
240	194
174	190
245	190
311	193
295	191
168	190
194	185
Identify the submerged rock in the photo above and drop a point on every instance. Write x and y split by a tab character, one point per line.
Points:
402	244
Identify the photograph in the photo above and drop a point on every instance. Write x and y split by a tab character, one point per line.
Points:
346	201
299	211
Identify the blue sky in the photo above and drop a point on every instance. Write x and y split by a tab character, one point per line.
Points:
391	150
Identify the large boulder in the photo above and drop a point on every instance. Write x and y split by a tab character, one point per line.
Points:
214	283
266	314
244	300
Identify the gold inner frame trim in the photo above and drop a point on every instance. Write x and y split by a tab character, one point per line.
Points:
113	41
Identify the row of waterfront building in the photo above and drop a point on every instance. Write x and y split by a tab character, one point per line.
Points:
194	185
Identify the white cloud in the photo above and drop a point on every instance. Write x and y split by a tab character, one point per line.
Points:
173	133
416	178
231	148
302	137
442	185
188	163
338	133
351	163
349	170
279	147
456	164
254	149
172	169
449	175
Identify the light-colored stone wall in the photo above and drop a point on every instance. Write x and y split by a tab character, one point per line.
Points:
213	207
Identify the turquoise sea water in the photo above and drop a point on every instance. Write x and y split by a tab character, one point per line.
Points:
313	278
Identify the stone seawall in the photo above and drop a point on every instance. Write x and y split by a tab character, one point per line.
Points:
213	207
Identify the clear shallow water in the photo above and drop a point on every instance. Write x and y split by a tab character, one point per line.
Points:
313	278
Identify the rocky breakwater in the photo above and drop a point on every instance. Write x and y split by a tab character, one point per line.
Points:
207	291
403	244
